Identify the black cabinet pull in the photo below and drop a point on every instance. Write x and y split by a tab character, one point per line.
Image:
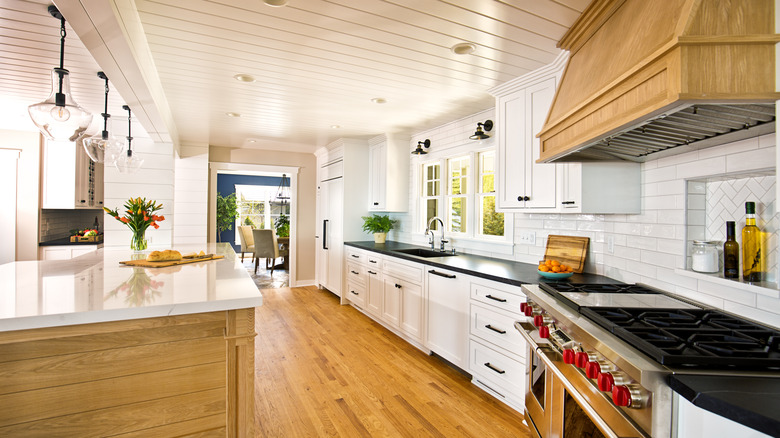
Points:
398	285
372	272
355	272
354	292
526	198
355	256
325	234
441	274
503	332
567	202
498	370
376	203
372	261
500	300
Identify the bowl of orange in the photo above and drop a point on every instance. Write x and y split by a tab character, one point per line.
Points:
554	269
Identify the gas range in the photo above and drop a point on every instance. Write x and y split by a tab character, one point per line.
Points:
625	339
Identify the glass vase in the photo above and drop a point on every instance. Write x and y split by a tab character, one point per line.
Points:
138	243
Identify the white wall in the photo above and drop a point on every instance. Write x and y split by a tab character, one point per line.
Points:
648	247
191	185
27	188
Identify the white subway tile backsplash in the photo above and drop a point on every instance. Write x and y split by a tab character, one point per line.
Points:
628	228
658	174
751	160
699	168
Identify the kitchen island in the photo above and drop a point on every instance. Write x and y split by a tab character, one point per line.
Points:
90	347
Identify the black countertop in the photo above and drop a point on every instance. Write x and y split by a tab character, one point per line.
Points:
751	401
66	241
504	271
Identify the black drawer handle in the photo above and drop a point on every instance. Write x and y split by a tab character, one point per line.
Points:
354	292
376	203
355	272
372	261
355	256
441	274
398	285
372	272
498	370
500	300
503	332
567	202
523	198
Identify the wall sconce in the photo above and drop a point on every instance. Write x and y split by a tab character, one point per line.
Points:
59	117
480	134
420	144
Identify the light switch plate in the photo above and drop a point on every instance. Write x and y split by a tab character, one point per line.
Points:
528	238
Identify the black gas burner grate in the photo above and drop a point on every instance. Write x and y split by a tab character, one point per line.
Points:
613	288
692	338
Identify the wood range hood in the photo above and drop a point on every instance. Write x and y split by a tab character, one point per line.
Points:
652	78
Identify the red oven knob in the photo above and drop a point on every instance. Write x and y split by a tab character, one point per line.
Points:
544	331
621	395
605	381
592	369
529	310
581	359
568	356
523	306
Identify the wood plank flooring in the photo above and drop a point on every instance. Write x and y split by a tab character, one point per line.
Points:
323	369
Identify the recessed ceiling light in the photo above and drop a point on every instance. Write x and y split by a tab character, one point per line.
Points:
463	48
252	141
379	100
231	114
275	3
241	77
335	126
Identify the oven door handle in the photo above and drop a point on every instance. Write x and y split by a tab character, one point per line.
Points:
546	354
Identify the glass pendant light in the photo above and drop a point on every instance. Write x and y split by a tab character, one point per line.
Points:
104	147
59	117
283	192
129	163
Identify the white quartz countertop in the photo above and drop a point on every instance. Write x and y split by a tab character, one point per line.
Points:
95	288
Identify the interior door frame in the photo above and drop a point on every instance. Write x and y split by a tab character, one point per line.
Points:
216	168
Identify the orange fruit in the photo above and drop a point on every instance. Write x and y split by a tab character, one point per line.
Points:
556	269
555	262
548	262
544	268
564	267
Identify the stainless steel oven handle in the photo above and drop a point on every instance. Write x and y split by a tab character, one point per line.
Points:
544	352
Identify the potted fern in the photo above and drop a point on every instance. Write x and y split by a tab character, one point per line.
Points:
379	225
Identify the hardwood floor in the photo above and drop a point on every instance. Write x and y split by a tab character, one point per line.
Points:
323	369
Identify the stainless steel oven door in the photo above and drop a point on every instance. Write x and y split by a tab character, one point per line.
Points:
562	403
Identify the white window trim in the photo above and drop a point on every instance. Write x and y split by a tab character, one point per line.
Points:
497	245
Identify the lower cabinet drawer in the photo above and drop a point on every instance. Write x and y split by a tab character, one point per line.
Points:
356	293
502	374
356	274
498	328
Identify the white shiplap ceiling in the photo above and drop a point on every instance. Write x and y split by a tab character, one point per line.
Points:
316	63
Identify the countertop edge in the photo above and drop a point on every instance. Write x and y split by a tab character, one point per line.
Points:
710	396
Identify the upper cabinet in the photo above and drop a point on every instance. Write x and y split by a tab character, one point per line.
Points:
526	185
388	158
70	178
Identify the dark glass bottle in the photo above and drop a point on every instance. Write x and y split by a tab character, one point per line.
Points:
730	253
752	256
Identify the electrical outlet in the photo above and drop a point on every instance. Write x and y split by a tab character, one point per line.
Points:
611	244
528	238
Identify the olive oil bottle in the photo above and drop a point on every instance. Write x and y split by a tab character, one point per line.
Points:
730	252
752	252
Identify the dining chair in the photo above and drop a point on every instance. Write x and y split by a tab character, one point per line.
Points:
267	247
247	240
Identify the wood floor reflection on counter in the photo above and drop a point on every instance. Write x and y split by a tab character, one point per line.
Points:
323	369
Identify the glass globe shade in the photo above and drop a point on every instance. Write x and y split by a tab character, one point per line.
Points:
64	122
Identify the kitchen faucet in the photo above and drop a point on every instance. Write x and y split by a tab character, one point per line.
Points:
429	230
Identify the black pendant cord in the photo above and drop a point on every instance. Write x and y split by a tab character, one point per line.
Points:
105	113
129	136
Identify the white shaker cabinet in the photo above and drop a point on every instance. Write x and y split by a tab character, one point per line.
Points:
70	178
341	180
388	158
524	184
448	315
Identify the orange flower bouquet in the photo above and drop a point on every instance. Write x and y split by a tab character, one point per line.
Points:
139	215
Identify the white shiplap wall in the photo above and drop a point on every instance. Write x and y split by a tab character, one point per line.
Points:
154	180
191	183
648	247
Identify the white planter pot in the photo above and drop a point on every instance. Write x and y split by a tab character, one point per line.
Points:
380	237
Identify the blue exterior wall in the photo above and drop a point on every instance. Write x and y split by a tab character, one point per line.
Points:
226	184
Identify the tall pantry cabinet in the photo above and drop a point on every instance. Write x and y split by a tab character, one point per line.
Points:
341	193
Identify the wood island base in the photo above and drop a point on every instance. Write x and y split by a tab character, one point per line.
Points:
168	376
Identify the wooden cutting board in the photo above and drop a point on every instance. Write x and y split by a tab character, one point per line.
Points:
570	250
146	264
